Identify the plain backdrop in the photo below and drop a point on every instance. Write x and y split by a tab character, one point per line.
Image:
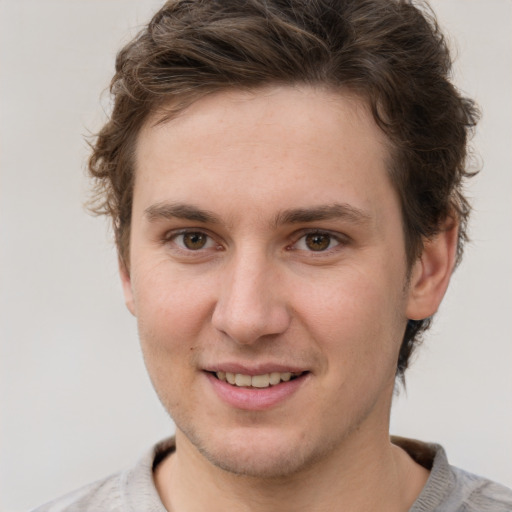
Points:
76	403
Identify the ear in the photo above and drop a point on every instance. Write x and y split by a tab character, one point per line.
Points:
431	273
126	281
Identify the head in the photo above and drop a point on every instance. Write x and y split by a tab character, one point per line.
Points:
389	53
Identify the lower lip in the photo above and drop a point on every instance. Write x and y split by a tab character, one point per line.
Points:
255	399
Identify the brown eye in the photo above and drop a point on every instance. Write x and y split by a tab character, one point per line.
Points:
194	240
318	241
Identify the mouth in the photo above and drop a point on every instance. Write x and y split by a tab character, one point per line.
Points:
254	391
262	381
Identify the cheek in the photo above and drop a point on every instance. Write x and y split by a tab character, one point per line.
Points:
357	319
172	310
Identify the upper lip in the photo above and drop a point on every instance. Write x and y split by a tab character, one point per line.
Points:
254	369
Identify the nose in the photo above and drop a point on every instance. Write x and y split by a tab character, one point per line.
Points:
251	304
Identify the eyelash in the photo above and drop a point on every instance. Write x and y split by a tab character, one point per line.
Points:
173	236
338	239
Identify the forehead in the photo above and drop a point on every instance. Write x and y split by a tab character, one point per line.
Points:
277	146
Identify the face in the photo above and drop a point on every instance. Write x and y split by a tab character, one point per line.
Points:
268	276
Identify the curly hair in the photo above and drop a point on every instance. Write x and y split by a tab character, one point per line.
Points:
390	52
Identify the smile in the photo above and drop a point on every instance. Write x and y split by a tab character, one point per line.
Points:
256	381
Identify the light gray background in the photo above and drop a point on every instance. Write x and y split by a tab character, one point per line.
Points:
75	400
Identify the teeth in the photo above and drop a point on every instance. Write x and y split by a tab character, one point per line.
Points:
256	381
274	378
286	376
260	381
242	380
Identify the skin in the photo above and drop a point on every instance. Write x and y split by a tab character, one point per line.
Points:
241	171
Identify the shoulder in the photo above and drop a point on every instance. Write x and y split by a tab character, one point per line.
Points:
450	489
102	495
132	490
478	494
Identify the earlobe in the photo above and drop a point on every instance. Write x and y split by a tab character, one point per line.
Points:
126	281
431	273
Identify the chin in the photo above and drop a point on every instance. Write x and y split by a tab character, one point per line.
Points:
258	453
257	463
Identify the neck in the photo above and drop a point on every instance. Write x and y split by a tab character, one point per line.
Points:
362	474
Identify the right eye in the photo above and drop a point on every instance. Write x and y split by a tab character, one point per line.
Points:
193	240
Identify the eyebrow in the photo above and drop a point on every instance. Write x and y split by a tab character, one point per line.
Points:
180	211
323	212
345	211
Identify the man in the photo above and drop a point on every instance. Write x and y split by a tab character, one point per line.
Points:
285	182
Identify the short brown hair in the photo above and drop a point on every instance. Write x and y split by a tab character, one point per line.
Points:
390	52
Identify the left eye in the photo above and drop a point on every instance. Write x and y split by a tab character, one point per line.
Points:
316	242
193	240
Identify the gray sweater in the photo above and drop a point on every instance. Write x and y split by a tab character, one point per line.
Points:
448	489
